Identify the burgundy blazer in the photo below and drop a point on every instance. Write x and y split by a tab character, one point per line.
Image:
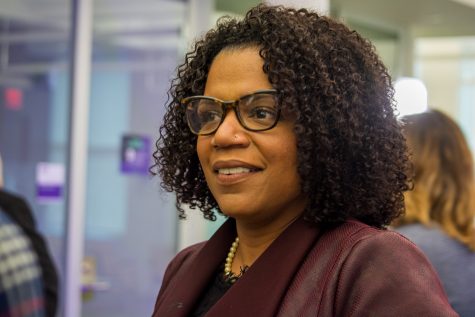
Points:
349	270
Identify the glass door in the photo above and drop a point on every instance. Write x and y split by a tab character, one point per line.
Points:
34	110
130	225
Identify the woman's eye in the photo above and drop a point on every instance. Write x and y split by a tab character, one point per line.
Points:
262	113
209	116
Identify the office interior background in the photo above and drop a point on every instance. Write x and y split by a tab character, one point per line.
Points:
128	228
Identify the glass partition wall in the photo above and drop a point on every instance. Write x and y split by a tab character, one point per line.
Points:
130	224
34	111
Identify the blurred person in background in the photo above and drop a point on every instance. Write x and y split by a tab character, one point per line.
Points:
283	121
17	212
1	172
440	209
21	285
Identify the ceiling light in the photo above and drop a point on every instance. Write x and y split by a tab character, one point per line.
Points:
410	95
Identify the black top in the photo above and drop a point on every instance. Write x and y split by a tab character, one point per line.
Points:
215	290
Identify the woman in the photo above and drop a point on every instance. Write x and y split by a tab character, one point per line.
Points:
440	210
283	122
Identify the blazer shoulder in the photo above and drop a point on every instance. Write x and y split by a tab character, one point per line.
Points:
361	233
190	250
386	274
181	259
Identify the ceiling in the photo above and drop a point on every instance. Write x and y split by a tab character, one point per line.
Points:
423	18
110	16
441	29
44	25
34	33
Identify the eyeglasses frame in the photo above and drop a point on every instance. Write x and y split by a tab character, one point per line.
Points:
225	104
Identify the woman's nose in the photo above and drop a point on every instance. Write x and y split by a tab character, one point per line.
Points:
230	132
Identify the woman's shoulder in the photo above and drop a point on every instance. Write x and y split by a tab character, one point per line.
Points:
389	269
356	232
358	270
350	237
360	242
352	243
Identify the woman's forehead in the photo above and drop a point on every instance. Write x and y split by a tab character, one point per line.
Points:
237	72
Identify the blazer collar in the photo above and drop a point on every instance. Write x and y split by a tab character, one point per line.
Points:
260	290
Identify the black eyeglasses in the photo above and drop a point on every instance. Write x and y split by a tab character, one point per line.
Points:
258	111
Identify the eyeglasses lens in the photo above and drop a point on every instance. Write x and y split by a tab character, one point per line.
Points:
255	112
258	112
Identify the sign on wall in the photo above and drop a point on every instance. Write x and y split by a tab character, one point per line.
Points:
50	179
135	154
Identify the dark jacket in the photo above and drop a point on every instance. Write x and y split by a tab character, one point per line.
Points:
348	270
19	211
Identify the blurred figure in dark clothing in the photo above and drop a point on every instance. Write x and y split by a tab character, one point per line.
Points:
17	209
21	281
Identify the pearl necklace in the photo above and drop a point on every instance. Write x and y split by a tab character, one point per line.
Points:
229	276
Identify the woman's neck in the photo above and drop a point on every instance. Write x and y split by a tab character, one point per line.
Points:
254	240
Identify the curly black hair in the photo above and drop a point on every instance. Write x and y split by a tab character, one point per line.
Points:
352	156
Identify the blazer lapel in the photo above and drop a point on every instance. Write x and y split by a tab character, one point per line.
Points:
261	289
196	276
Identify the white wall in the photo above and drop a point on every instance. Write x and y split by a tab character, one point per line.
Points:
447	67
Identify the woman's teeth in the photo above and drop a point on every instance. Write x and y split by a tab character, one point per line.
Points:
234	170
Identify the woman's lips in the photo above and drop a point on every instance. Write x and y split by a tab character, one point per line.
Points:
233	167
233	171
237	175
